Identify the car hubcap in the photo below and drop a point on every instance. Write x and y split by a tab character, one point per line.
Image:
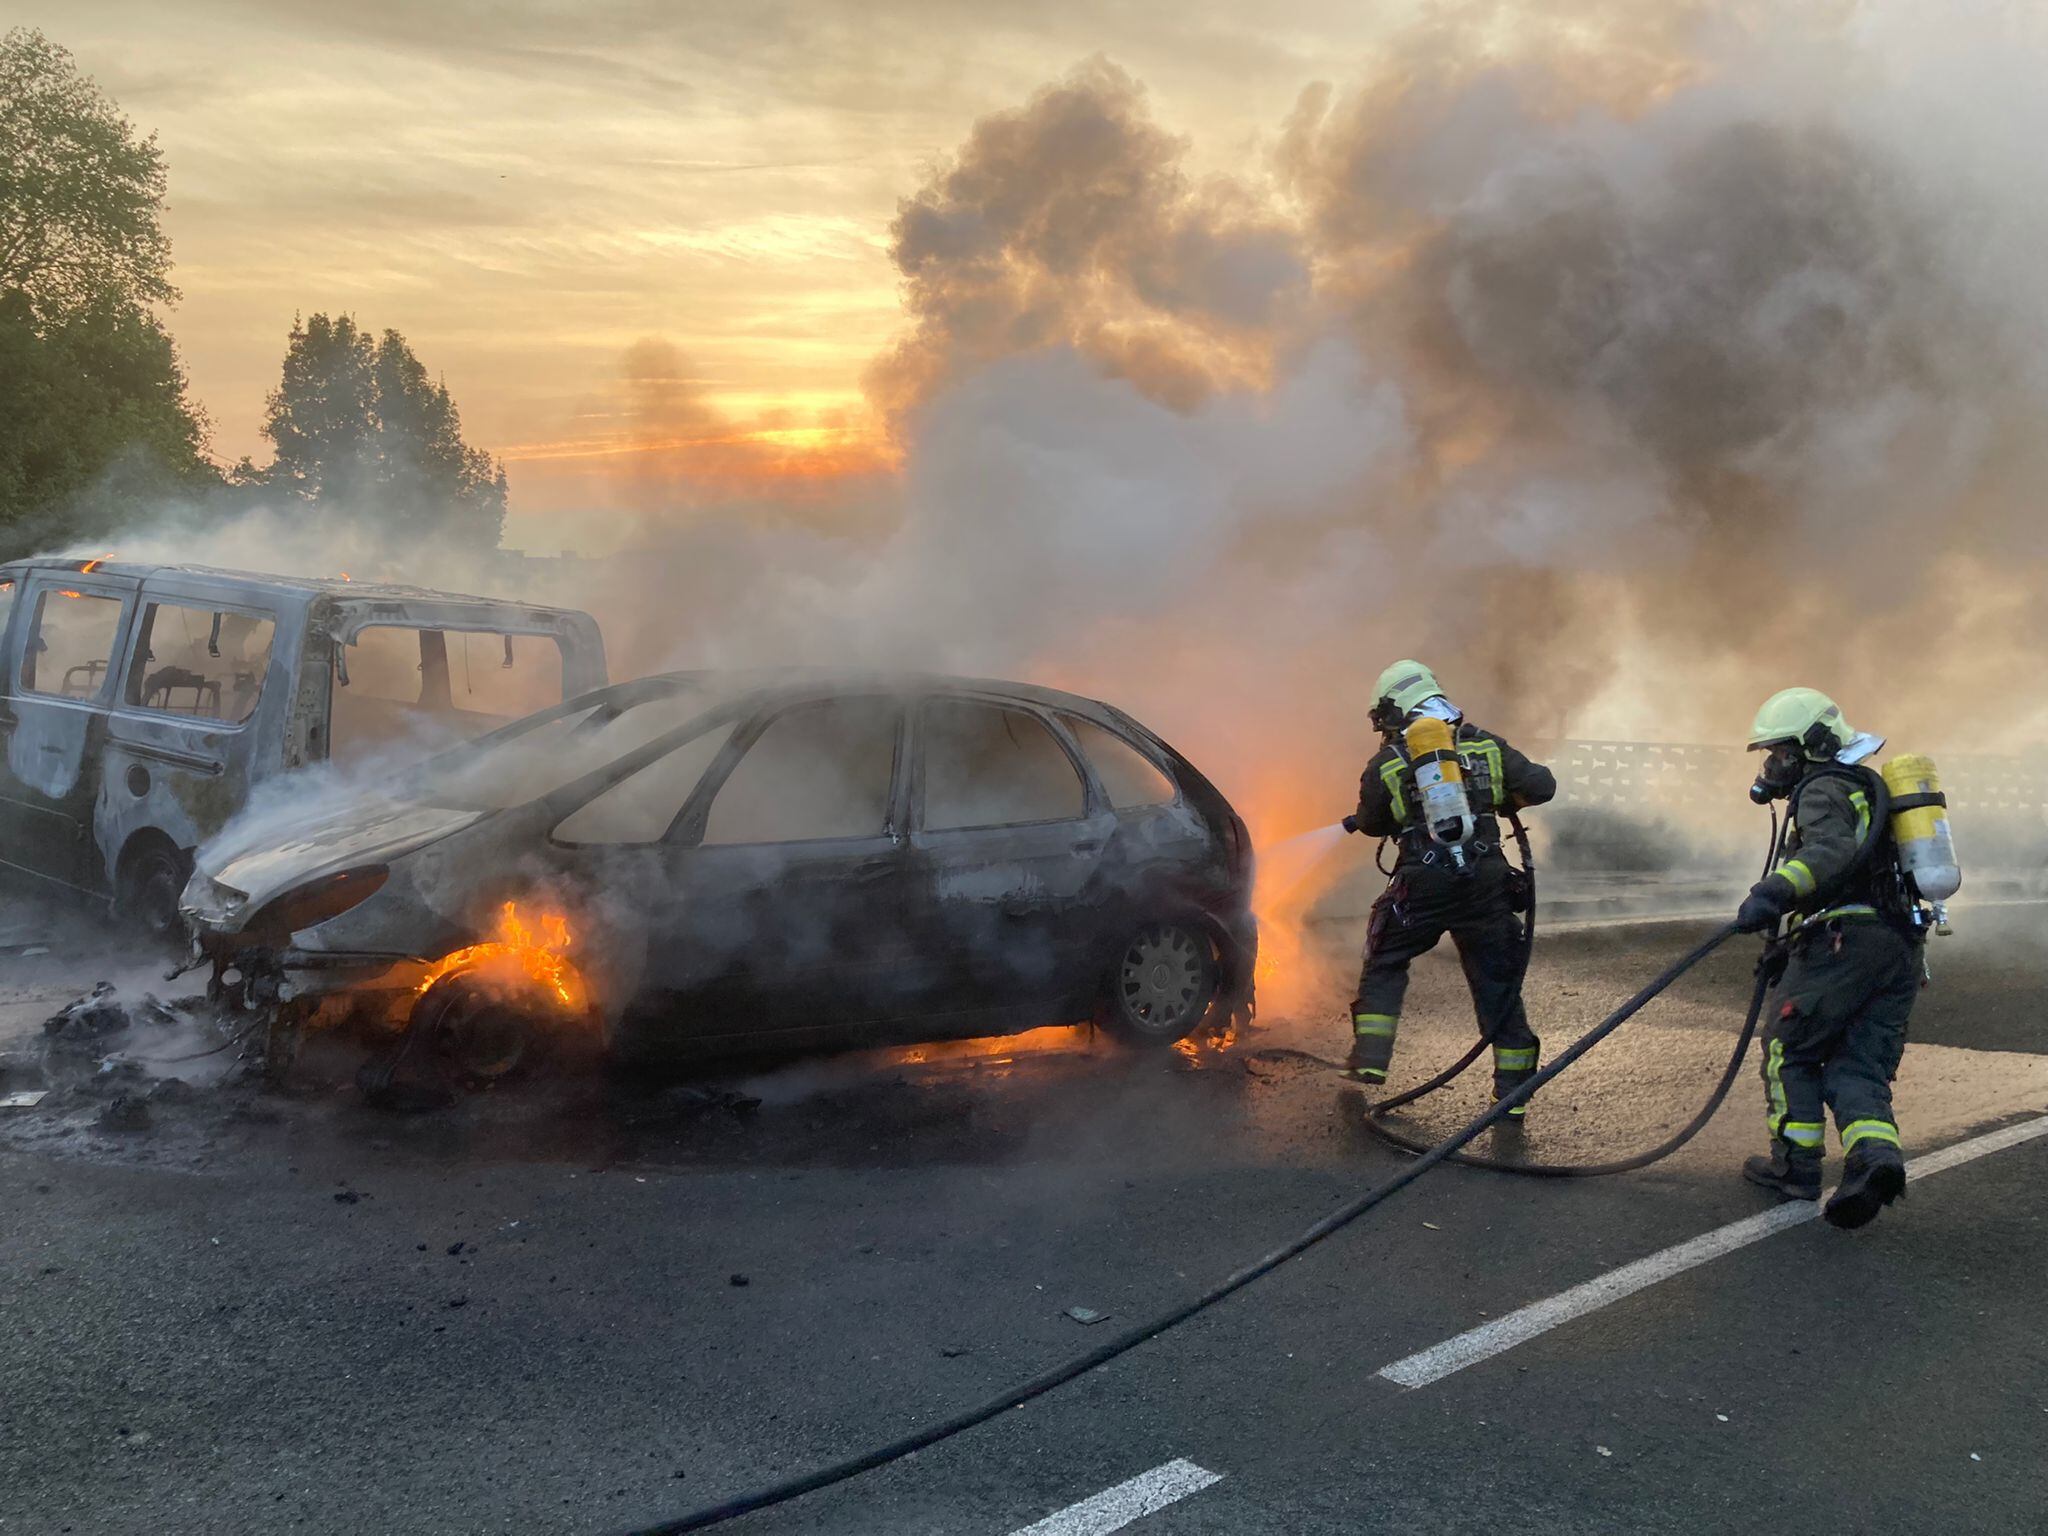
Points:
1164	979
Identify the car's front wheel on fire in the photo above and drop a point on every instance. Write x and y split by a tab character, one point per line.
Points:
1162	984
464	1031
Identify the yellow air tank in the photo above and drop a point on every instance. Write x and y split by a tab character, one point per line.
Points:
1440	781
1927	849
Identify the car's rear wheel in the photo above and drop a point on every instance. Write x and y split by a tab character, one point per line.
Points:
1162	985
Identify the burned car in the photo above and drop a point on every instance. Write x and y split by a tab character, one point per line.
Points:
142	705
721	862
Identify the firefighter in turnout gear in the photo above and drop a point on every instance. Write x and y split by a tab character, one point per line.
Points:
1852	961
1450	875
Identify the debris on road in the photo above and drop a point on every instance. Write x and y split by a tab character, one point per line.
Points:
27	1098
94	1016
124	1112
1087	1315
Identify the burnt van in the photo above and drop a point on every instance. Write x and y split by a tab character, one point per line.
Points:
140	705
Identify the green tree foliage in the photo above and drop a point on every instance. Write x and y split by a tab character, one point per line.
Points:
359	424
93	415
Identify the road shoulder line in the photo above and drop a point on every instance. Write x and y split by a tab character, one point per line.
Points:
1115	1508
1518	1327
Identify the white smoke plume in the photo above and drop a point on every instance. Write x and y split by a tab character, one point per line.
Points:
1626	361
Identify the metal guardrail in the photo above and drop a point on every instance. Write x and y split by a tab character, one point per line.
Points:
1674	776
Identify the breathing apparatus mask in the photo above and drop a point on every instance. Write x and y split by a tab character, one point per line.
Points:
1783	768
1789	761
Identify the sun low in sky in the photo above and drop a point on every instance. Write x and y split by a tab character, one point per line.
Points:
568	206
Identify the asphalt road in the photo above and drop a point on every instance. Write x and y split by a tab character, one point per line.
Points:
583	1307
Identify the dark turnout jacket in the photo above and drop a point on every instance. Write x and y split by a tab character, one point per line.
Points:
1498	778
1830	824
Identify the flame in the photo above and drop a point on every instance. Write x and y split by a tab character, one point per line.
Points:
993	1051
67	592
92	565
345	576
524	957
1211	1041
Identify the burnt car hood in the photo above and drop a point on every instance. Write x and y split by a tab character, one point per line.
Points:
237	874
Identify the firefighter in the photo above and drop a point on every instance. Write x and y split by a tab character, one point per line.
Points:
1464	887
1852	964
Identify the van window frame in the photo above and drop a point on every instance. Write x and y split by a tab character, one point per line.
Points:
147	598
35	585
337	662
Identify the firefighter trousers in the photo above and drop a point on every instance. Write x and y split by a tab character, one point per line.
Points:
1837	1032
1420	905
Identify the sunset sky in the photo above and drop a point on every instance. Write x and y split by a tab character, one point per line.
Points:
530	190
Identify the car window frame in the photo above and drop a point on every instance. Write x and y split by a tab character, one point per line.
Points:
41	582
1093	802
672	743
146	598
1097	790
687	831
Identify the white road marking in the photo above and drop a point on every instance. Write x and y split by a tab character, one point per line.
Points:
1504	1333
1115	1508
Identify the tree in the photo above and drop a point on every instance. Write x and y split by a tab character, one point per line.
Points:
360	424
93	426
81	198
94	421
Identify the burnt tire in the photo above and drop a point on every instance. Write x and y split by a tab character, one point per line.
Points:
152	879
1162	984
478	1036
458	1036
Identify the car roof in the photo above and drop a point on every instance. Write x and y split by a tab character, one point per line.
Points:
799	682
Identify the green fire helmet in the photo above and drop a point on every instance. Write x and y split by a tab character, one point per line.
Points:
1407	683
1802	715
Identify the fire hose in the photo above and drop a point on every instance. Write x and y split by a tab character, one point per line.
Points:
1375	1115
1058	1375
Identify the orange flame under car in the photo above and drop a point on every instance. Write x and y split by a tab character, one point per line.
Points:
527	956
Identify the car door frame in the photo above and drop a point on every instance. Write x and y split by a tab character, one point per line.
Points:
54	747
964	920
185	775
856	990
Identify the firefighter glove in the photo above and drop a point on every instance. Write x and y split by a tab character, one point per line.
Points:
1770	965
1760	909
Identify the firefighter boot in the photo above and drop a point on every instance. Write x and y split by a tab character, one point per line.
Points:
1512	1067
1794	1172
1372	1047
1873	1176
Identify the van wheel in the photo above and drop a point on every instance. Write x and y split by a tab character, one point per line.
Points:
153	877
1162	984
